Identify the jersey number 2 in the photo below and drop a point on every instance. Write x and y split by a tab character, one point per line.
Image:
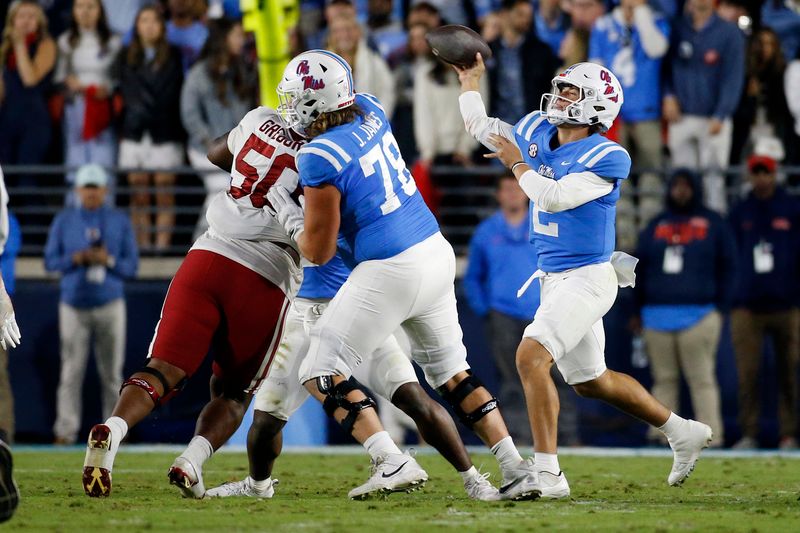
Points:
383	155
272	172
550	229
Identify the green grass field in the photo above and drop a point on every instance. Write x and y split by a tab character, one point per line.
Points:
608	494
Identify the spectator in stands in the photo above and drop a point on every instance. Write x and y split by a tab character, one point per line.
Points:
551	24
492	27
438	127
219	90
8	254
87	52
94	249
424	13
584	13
454	11
185	31
766	108
767	230
791	81
706	74
407	67
316	35
631	41
522	66
733	11
783	16
122	16
501	258
151	77
384	31
371	74
574	47
27	56
684	285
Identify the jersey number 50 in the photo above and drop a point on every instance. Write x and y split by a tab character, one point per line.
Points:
272	170
383	155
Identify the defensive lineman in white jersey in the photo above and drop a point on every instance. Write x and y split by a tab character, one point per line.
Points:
572	175
232	291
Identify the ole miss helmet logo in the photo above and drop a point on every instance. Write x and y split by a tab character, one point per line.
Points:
309	81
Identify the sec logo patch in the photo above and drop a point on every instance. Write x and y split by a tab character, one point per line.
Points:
533	149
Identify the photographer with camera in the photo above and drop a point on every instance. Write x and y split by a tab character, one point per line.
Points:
94	248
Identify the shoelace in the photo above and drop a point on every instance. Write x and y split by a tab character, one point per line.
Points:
378	461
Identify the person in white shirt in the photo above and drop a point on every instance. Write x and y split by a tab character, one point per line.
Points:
86	53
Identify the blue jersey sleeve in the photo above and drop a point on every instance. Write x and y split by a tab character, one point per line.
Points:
612	162
318	164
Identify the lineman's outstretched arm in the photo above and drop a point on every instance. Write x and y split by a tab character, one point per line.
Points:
473	110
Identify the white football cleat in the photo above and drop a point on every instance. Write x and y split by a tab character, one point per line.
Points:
186	477
479	488
242	488
686	449
553	487
98	462
393	473
522	483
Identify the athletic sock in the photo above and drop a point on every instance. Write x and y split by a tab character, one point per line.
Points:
380	445
507	455
198	451
260	485
468	474
546	462
671	427
118	428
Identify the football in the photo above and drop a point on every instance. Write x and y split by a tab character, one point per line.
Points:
457	45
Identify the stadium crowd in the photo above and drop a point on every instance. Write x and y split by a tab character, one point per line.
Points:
147	86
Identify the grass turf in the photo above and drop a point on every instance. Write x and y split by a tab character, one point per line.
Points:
608	494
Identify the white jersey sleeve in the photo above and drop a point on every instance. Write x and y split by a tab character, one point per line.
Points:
479	124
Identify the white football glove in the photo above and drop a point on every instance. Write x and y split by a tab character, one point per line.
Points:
9	331
288	213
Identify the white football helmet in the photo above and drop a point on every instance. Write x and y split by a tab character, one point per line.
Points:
599	102
313	83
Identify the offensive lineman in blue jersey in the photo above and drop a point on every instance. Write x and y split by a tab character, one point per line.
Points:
388	373
356	184
571	173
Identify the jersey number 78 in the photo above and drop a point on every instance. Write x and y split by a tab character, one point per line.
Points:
381	157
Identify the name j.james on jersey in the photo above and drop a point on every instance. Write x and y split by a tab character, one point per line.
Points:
372	124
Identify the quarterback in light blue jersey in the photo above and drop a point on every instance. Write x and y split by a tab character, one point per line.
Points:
358	192
572	174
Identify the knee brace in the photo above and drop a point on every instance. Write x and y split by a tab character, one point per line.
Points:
335	397
151	391
460	392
